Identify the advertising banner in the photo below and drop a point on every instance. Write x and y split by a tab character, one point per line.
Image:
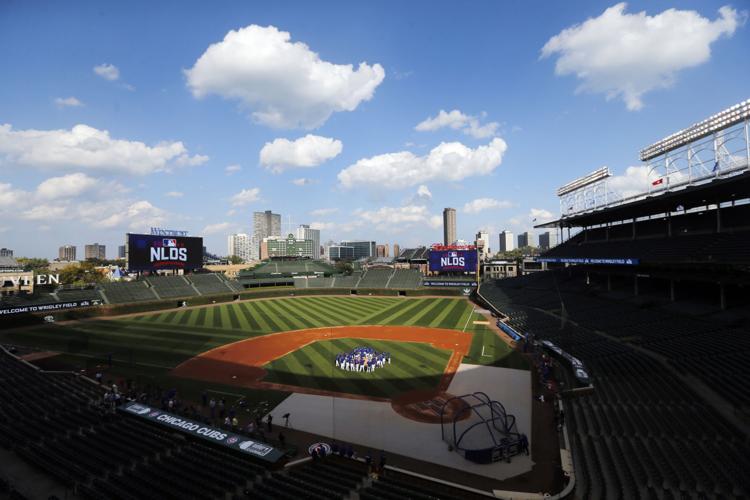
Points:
453	261
197	429
46	308
147	252
614	261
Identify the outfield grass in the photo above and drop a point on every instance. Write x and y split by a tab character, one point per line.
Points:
488	349
414	366
165	339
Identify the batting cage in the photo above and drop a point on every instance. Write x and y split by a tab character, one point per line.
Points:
480	429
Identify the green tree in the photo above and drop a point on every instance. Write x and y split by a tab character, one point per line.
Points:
234	259
344	267
33	263
81	274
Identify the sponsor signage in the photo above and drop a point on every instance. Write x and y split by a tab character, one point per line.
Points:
52	307
197	429
566	260
448	283
157	231
148	252
453	260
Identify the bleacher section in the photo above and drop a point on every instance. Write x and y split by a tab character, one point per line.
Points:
695	248
405	279
347	281
127	291
398	279
212	284
375	278
71	294
645	431
168	287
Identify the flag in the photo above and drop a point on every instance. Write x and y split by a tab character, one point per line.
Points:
716	166
658	181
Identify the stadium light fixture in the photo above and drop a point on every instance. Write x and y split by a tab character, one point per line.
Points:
724	119
595	176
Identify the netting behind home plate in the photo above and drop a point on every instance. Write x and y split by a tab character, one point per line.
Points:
479	428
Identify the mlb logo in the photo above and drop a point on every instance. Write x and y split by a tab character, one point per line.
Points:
169	242
454	254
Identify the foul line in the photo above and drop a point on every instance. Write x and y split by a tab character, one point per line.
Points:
467	319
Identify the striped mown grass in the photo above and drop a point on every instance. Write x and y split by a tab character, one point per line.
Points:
165	339
414	366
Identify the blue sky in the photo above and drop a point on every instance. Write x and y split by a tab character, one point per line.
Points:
534	94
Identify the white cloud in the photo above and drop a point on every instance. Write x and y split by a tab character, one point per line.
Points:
66	186
399	218
231	212
308	151
633	181
136	216
10	197
481	204
302	181
220	227
541	215
457	120
626	55
231	169
450	161
322	226
67	102
174	194
245	196
322	212
423	192
285	83
84	147
107	71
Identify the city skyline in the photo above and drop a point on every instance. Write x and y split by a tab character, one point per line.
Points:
134	132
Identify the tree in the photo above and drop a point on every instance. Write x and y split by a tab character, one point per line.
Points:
82	274
33	263
344	267
234	259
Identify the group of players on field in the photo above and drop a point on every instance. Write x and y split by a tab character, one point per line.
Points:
362	359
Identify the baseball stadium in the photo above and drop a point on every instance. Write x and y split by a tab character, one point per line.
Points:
606	363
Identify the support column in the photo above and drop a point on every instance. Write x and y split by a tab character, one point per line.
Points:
633	229
671	290
722	297
669	223
635	285
718	217
609	282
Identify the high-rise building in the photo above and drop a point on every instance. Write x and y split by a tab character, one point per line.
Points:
507	243
66	253
362	249
382	250
396	250
449	226
6	252
340	252
239	245
483	244
121	252
547	240
95	251
526	239
305	232
265	225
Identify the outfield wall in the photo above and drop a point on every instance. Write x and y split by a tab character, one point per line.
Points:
257	293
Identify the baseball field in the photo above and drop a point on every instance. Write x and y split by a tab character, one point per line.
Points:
161	345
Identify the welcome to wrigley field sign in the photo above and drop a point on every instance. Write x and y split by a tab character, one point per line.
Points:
197	429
